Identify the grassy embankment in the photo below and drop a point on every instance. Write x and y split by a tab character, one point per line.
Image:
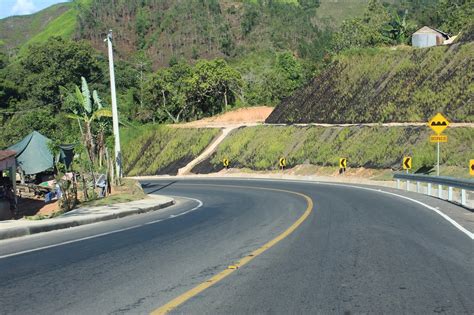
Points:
387	85
158	149
259	148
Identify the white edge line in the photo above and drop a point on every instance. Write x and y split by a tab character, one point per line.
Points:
445	216
200	204
457	225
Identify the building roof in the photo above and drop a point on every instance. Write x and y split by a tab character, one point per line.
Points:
427	29
5	154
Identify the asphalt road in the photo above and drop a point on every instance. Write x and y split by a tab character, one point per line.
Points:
358	251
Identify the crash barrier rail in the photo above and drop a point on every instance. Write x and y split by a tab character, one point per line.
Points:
463	184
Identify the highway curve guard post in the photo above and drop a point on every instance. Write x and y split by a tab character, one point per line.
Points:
407	163
226	163
342	165
282	163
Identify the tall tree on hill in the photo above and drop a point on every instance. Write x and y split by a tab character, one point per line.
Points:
214	84
54	63
368	31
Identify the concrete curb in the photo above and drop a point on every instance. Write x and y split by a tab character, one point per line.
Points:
65	222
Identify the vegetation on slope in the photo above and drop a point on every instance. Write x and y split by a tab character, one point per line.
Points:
16	31
259	148
385	85
153	150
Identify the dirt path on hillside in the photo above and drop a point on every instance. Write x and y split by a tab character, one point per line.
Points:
206	153
241	116
254	116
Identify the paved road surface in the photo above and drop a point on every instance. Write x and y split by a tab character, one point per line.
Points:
358	251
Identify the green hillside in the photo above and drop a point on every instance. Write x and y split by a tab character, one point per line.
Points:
387	85
259	148
153	150
16	31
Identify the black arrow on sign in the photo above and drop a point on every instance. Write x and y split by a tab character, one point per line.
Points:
406	163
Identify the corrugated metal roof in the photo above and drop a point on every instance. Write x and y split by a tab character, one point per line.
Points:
430	30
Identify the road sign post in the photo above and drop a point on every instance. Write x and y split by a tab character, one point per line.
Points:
225	162
407	163
438	124
342	165
282	163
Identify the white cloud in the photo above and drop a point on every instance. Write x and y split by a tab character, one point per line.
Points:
23	7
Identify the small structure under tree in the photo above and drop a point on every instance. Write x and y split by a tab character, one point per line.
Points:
8	202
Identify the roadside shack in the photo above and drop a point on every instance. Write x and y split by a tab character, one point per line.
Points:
8	201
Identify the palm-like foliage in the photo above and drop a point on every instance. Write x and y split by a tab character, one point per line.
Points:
88	109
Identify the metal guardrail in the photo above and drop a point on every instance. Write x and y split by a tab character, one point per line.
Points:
441	181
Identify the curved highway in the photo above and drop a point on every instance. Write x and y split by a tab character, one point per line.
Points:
247	246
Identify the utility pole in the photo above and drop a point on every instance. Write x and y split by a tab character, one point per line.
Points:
115	121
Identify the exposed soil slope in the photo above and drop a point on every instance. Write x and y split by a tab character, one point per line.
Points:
247	115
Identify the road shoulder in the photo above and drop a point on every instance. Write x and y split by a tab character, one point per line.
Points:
82	216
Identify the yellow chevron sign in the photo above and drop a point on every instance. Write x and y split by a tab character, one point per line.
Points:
282	162
225	162
343	163
407	163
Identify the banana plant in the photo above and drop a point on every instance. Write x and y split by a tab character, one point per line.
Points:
88	110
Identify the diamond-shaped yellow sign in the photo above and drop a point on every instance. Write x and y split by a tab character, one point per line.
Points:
438	123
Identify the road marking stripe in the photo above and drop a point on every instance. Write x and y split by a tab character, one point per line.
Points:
101	234
223	274
442	214
446	217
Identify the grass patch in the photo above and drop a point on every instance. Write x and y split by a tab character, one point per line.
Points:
129	190
159	149
259	148
386	85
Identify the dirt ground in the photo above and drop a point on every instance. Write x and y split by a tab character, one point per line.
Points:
34	206
314	170
247	115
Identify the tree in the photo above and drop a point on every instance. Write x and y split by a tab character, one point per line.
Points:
455	15
399	29
88	109
214	84
54	63
166	93
368	31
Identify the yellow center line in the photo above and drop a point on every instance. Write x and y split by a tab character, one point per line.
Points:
174	303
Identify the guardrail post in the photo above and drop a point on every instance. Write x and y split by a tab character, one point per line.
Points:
463	185
463	197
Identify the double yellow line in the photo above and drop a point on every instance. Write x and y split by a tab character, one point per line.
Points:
174	303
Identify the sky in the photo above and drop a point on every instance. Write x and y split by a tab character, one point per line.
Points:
22	7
